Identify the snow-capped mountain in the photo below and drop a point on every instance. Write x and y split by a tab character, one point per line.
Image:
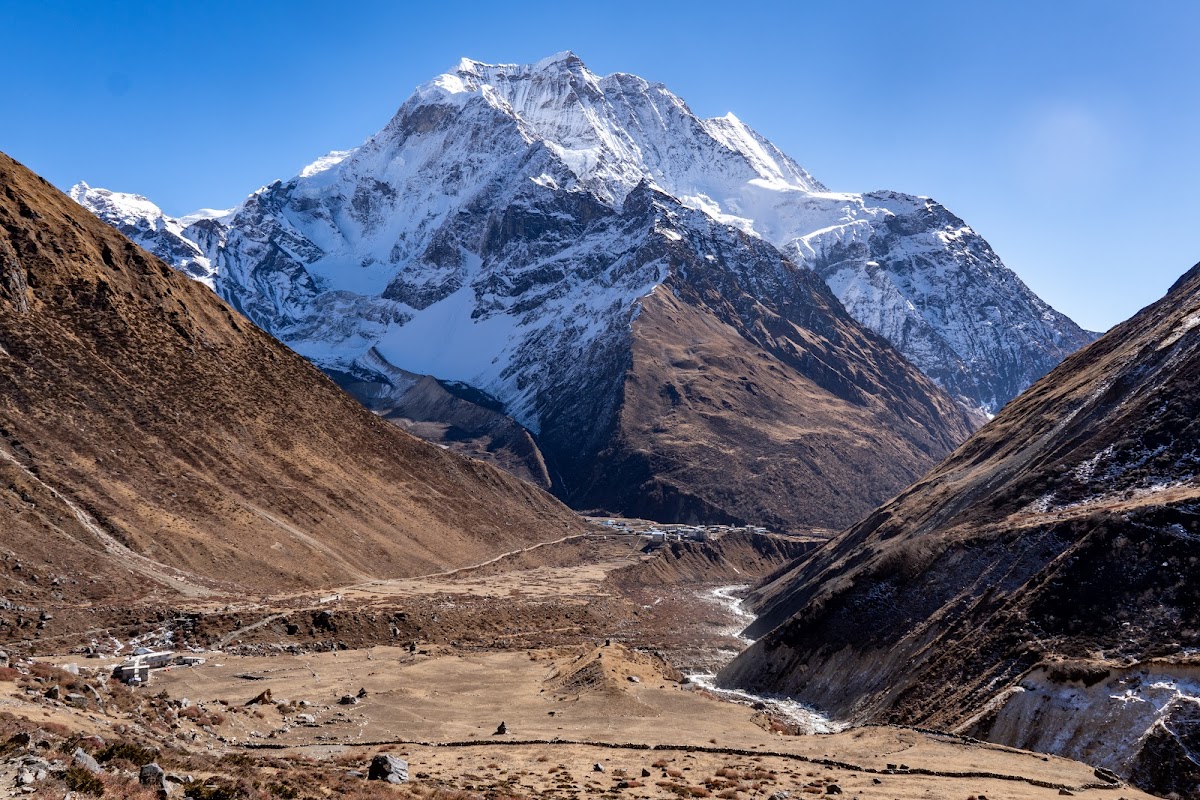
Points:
186	243
902	265
505	229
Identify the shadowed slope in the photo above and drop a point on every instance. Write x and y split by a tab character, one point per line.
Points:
1068	528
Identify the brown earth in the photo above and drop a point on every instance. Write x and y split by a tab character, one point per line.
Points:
789	415
1068	528
597	694
565	708
153	440
731	558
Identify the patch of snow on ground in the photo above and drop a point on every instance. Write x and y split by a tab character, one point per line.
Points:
1189	322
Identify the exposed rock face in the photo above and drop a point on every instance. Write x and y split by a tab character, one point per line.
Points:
1064	532
926	282
509	225
151	438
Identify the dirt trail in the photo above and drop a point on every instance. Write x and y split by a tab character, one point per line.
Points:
186	584
229	637
731	751
375	584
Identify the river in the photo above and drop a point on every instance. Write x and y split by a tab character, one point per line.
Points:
806	719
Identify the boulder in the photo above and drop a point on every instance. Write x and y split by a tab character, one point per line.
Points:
388	768
80	758
154	776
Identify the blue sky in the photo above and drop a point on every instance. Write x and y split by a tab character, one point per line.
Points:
1064	132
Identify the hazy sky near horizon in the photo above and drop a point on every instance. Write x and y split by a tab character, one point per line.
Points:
1063	132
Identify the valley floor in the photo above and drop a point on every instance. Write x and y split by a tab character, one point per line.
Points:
580	648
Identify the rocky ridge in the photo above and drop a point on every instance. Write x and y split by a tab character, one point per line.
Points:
1038	581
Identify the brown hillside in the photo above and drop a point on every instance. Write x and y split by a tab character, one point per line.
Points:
1068	528
782	412
147	430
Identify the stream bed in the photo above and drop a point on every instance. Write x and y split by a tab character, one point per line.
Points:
803	717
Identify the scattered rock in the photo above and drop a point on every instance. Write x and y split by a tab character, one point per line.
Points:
153	775
876	781
82	759
1065	792
348	700
77	700
645	772
597	767
634	679
305	719
833	788
362	692
388	768
53	693
501	729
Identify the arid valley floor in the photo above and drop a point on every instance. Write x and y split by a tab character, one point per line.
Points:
584	649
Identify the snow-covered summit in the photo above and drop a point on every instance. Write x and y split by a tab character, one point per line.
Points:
463	197
181	242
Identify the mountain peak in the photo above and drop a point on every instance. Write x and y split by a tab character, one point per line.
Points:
481	135
123	206
565	59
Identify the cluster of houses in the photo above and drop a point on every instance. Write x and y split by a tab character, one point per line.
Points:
136	669
662	533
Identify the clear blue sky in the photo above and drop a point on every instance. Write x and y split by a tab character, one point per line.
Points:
1064	132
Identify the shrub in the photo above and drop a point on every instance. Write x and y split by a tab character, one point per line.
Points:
136	755
79	779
